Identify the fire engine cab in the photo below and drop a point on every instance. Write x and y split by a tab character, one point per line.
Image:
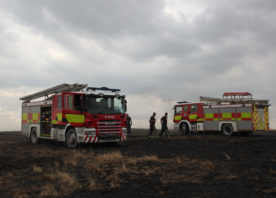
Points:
70	114
235	112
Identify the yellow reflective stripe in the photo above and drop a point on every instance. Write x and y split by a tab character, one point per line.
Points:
209	115
177	118
193	116
59	116
266	120
24	116
54	122
200	119
35	116
226	115
246	115
73	118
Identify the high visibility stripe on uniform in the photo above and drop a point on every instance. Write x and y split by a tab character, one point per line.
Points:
74	118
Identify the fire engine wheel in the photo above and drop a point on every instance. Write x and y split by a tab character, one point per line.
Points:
33	136
71	138
184	129
227	130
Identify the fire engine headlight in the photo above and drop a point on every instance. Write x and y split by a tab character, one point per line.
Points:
91	131
124	131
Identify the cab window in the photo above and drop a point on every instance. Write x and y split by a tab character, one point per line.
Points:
78	102
178	109
59	102
194	108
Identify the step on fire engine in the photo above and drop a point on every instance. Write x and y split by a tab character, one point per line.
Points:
70	114
235	112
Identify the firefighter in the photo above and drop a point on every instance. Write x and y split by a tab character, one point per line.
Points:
164	122
152	125
129	123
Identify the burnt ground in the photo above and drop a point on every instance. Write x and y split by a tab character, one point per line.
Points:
204	165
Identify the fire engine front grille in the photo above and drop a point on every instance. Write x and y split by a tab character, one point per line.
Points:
109	129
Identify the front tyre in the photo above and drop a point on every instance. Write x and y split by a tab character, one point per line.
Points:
71	138
184	129
227	130
33	136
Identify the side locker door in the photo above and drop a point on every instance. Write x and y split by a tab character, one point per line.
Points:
178	113
261	125
72	112
200	114
57	111
185	112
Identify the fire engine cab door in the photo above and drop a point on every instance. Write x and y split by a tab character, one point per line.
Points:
185	113
73	109
195	113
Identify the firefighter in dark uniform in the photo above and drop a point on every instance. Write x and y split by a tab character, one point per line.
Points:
164	122
129	123
152	124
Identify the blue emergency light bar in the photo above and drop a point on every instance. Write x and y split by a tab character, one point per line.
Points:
102	89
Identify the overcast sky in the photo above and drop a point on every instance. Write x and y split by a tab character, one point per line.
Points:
157	52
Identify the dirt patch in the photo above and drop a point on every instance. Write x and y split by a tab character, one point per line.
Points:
186	166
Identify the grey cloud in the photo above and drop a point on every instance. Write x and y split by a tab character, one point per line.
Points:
195	59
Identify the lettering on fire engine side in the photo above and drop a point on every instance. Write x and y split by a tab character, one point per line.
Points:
109	117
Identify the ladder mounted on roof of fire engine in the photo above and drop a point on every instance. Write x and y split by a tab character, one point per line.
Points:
102	89
54	90
234	98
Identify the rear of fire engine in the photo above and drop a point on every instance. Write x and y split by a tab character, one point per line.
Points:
235	112
71	115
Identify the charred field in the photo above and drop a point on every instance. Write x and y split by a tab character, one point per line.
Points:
204	165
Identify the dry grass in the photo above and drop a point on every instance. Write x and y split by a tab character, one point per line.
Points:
227	156
270	190
178	160
148	158
73	158
111	157
62	178
208	164
10	174
114	181
232	177
92	184
19	193
37	169
272	172
48	191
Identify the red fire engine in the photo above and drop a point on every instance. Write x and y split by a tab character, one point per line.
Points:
71	115
235	112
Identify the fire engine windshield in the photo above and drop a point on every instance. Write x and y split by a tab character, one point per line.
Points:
105	104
